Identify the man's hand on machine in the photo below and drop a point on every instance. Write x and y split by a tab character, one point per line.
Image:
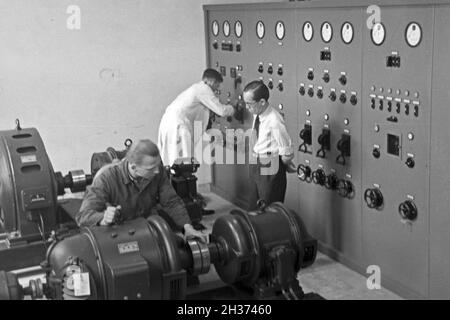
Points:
190	232
110	215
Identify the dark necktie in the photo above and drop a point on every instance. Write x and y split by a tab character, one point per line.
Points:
256	126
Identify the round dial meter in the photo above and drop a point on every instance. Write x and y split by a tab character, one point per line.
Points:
238	29
347	32
326	32
280	30
226	28
260	29
308	31
378	33
215	28
413	34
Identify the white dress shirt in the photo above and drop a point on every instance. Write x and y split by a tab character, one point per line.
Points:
273	138
176	130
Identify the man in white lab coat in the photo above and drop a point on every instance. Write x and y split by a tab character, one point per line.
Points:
176	130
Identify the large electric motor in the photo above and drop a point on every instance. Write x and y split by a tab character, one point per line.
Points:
28	194
144	259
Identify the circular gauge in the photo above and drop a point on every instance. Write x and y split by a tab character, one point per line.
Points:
280	30
327	32
413	34
260	29
238	29
226	28
347	32
215	28
308	31
378	33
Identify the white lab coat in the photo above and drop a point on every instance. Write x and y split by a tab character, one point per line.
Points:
176	130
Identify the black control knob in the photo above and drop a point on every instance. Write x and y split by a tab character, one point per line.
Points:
238	48
215	45
353	100
381	105
345	188
389	106
332	96
416	111
302	90
372	103
407	109
270	85
319	177
304	173
324	142
311	92
320	93
260	68
410	162
326	77
332	181
270	70
343	146
376	153
408	210
397	107
343	98
306	134
280	86
280	71
373	198
343	79
311	75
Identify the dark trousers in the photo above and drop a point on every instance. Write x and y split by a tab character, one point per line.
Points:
267	187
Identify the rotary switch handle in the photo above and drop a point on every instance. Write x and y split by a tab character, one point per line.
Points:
373	198
319	177
345	188
343	146
408	210
304	173
324	142
306	136
331	181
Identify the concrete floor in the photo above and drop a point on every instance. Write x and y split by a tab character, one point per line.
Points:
330	279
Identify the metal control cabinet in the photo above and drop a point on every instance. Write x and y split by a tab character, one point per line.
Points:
367	109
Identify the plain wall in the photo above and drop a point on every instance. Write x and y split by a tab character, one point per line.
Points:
88	89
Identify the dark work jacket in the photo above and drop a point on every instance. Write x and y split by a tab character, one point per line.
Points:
112	185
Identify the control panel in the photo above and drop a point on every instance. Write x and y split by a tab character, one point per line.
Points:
364	100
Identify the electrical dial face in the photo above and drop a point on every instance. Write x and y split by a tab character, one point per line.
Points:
215	28
378	33
308	31
238	29
280	30
260	29
226	28
347	32
413	34
327	32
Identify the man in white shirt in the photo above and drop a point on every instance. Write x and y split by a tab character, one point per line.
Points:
272	147
176	130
